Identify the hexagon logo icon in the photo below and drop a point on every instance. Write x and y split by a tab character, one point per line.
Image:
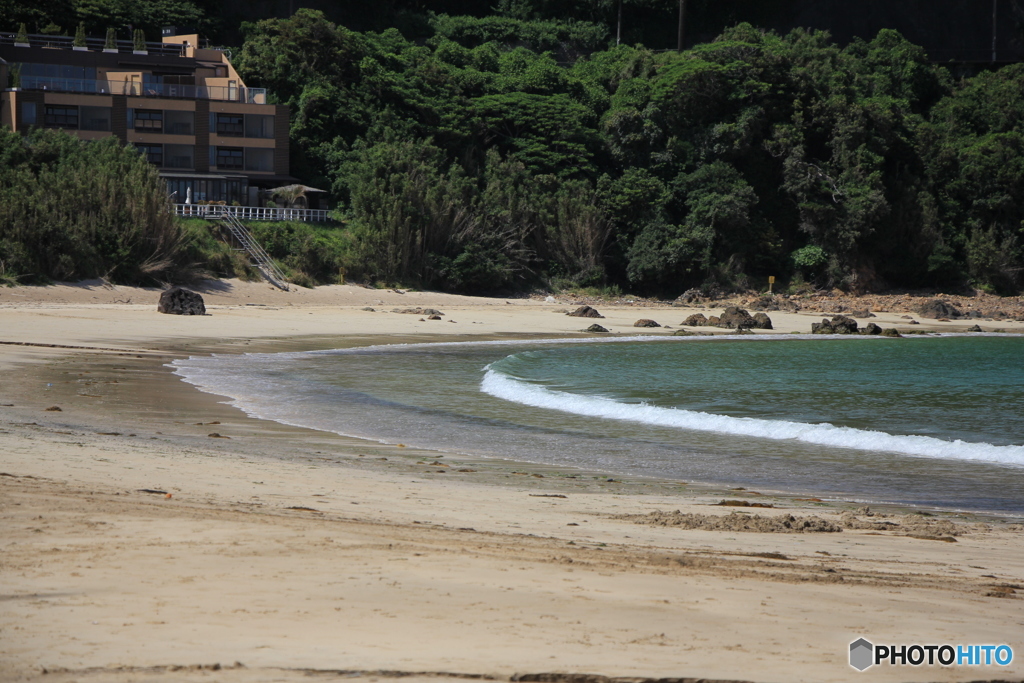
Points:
861	654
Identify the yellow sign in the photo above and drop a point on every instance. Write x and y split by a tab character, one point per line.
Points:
771	279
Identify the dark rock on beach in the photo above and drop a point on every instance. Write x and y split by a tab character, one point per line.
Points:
736	318
871	328
696	320
975	328
936	308
645	322
762	321
180	301
585	312
839	324
596	328
891	332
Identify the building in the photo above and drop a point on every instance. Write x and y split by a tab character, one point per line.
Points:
183	106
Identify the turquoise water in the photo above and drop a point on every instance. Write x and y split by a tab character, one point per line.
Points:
928	421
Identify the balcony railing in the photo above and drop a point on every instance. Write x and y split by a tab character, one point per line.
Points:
94	44
252	213
134	88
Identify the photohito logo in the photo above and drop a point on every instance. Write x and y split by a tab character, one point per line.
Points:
864	654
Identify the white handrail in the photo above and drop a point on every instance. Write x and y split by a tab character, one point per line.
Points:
253	213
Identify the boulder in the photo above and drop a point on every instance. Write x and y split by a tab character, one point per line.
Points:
696	320
839	324
180	301
891	332
974	328
936	308
585	312
871	328
714	321
762	321
433	317
645	322
596	328
863	313
736	318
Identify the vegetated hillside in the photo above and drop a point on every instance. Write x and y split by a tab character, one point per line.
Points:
507	150
475	160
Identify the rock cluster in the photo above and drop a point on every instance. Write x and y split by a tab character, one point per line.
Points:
180	301
841	324
732	318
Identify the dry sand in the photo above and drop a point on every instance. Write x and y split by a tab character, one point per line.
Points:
137	547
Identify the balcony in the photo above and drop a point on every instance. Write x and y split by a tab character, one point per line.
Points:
94	44
136	89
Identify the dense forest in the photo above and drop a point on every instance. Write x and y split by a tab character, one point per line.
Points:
518	149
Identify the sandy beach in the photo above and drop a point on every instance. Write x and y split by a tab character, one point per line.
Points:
154	533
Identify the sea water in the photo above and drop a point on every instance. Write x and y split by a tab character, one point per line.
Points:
934	421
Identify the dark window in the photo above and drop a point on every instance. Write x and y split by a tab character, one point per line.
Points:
95	118
259	160
154	153
230	124
149	120
259	126
229	157
58	116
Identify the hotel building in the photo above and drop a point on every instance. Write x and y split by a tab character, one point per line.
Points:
182	106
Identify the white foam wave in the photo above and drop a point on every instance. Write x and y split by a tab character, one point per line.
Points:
515	390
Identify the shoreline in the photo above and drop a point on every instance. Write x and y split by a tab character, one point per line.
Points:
281	548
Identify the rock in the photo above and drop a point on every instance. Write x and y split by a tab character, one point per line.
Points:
431	311
179	301
645	322
549	299
906	317
762	321
913	322
736	318
891	332
685	333
844	325
53	409
596	328
936	308
688	297
975	328
974	314
371	309
585	312
863	313
434	317
839	324
871	328
695	320
714	321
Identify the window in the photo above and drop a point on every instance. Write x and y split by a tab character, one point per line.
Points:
154	153
229	158
229	124
180	156
179	122
259	126
259	159
149	120
95	118
28	113
59	116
